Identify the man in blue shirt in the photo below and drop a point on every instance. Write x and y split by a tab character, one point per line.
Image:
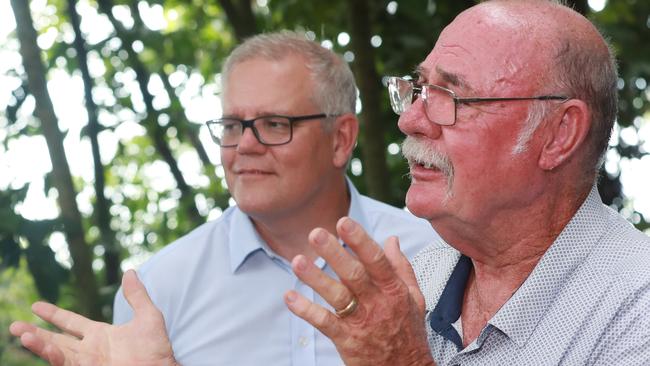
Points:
286	136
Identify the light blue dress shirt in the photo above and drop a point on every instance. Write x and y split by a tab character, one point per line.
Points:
220	289
587	302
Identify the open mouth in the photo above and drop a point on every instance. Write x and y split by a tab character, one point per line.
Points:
424	165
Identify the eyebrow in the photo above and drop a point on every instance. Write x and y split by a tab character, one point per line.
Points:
453	79
449	77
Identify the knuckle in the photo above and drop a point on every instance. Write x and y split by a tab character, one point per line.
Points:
378	257
321	319
357	273
340	299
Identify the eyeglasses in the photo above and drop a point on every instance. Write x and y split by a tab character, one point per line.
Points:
269	130
440	103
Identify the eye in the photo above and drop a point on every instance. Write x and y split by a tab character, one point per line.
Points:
272	123
229	125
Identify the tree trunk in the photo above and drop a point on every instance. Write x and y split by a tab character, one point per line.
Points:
44	111
240	15
373	147
102	205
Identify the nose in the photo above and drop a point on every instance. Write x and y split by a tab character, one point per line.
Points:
248	142
414	121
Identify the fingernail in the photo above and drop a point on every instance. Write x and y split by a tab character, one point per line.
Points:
347	225
320	237
291	297
299	263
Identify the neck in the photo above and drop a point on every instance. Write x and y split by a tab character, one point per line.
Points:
514	239
504	253
286	234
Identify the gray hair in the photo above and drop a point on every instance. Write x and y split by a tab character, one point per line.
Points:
334	89
589	74
582	70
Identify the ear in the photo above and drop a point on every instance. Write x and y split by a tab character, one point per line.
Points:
565	134
345	131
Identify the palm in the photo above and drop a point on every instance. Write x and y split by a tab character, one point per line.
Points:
142	341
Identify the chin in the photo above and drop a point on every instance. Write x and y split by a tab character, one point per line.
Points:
425	201
251	201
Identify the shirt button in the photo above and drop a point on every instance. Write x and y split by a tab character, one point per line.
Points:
303	341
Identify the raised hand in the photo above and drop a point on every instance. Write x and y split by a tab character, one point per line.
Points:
380	310
142	341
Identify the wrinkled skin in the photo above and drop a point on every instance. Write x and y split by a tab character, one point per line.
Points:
390	312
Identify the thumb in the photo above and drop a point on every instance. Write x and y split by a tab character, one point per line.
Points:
136	294
404	270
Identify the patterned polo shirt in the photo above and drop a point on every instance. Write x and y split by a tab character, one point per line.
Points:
587	302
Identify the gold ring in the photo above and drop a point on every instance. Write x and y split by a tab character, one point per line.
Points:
349	309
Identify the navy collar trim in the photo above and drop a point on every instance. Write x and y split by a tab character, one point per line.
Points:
449	307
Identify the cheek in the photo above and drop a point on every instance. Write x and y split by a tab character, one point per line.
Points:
227	156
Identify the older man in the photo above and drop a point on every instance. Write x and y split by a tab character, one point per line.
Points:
506	124
287	133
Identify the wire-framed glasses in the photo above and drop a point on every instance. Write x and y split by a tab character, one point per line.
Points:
269	130
440	103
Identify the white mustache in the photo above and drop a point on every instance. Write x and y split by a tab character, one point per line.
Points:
417	152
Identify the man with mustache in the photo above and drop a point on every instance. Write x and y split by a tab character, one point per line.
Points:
507	123
286	136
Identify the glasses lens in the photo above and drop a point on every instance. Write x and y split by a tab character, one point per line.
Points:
226	132
273	130
440	105
400	92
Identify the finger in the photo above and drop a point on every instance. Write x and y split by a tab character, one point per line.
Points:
55	355
369	253
136	294
344	264
69	322
42	349
404	270
314	314
329	289
18	328
60	340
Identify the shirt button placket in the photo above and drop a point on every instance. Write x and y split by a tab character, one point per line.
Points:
302	333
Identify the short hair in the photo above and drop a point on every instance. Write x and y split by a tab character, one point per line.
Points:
581	70
334	89
587	73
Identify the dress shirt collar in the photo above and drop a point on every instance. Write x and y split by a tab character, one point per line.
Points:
520	314
448	308
243	238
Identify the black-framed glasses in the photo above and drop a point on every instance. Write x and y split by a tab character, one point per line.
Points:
269	130
440	104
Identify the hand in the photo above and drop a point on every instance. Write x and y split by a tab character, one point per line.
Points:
387	325
142	341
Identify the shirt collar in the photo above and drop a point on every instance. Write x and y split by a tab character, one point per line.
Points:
519	315
243	238
450	304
